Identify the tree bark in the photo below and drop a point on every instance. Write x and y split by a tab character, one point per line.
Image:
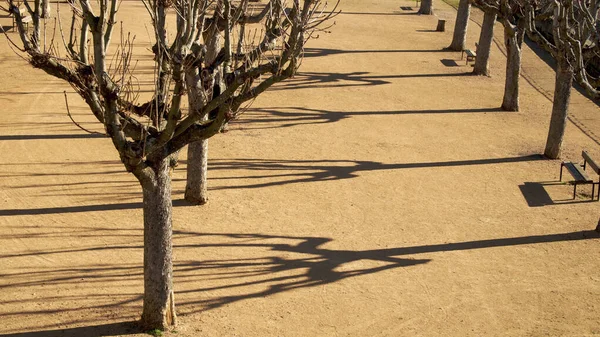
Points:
482	62
560	108
459	39
510	102
426	7
46	9
159	303
196	188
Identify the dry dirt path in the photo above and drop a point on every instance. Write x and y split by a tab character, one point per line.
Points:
379	193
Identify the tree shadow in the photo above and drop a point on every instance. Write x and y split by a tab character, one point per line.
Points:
320	52
82	209
304	171
296	116
51	137
314	80
273	264
113	329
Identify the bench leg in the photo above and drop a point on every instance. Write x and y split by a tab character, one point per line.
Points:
593	190
574	190
560	176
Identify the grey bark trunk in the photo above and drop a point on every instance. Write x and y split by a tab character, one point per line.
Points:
560	108
482	62
46	9
426	7
510	102
159	303
196	188
459	39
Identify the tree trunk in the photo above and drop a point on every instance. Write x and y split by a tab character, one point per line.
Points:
510	102
196	188
159	303
426	7
45	9
482	62
560	109
459	39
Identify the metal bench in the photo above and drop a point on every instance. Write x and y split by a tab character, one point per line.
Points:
471	55
580	175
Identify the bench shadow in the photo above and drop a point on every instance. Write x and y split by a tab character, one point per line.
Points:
536	195
449	63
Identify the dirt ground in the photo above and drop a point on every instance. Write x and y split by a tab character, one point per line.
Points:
382	192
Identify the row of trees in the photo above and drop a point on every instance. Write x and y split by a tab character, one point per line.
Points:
574	40
208	55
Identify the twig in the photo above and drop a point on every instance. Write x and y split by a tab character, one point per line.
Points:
74	122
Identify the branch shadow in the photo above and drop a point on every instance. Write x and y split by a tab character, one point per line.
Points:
313	80
273	264
113	329
51	137
296	116
304	171
320	52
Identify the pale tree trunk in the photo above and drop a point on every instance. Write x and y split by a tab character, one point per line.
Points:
482	62
196	188
510	102
426	7
459	39
159	303
560	109
46	9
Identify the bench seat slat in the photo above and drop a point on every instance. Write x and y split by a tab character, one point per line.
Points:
577	172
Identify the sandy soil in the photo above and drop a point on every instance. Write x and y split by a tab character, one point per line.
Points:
379	193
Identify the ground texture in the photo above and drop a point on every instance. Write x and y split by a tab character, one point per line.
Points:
381	192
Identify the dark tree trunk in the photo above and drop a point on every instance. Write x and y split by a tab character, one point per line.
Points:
510	102
459	39
426	7
159	303
560	109
482	62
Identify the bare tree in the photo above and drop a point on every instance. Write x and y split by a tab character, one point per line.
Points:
459	37
148	136
426	7
574	31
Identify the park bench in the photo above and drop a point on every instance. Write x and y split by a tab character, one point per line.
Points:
579	174
471	55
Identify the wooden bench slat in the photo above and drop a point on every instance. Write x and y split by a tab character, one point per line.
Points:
592	164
